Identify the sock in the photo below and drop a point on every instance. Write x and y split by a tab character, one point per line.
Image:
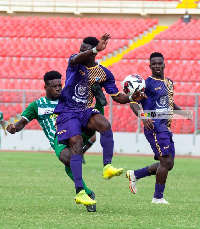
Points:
70	175
87	146
106	140
76	167
140	173
159	190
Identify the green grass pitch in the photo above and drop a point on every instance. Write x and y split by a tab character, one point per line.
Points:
35	193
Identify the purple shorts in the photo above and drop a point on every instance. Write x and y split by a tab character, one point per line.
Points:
70	124
161	143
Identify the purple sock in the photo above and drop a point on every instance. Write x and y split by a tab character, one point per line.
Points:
76	167
159	190
140	173
106	140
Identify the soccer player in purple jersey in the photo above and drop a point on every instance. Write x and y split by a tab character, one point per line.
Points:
75	111
159	91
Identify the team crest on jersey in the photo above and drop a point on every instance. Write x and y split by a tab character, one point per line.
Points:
162	101
81	92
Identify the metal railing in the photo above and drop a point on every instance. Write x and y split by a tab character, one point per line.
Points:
9	99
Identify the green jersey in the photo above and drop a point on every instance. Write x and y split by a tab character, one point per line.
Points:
1	116
42	110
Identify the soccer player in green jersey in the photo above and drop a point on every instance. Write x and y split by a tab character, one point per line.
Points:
3	126
42	110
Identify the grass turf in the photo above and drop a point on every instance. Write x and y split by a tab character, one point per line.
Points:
35	193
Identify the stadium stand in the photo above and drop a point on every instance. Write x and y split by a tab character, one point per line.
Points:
30	46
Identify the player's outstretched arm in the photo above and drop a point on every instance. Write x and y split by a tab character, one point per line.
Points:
123	99
16	127
185	113
82	56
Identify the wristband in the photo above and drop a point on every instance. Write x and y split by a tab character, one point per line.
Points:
95	50
130	98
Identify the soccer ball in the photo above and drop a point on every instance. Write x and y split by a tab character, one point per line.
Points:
132	83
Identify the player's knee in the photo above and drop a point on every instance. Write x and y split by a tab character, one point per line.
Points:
105	127
76	144
65	157
169	164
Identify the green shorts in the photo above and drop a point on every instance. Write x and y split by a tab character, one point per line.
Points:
58	147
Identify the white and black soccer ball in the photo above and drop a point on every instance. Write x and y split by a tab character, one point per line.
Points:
132	83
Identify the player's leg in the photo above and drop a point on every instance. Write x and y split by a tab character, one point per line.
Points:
71	123
88	141
64	155
135	175
166	164
165	153
99	123
88	144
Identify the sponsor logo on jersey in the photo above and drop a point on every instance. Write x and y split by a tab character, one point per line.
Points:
45	110
157	88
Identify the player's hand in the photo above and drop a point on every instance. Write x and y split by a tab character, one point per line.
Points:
148	124
11	128
103	42
138	95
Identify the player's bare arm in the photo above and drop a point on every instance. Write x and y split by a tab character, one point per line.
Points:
87	52
185	113
18	126
148	123
123	99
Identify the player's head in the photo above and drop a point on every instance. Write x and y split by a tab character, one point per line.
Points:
157	64
88	43
53	84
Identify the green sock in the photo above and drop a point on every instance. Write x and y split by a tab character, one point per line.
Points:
99	108
70	175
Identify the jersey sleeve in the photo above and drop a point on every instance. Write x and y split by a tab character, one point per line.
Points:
1	116
31	112
72	56
109	84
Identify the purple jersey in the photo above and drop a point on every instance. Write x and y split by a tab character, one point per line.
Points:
77	94
160	98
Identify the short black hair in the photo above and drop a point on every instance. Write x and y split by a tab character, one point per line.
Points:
156	54
91	41
51	75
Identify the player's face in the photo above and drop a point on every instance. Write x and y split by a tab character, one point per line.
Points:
53	89
157	66
84	47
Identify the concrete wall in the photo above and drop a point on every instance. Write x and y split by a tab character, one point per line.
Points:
128	143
